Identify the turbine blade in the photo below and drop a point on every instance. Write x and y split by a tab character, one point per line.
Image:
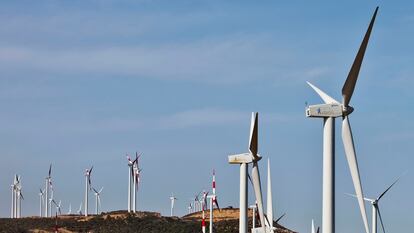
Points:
353	166
317	230
313	227
50	169
258	193
380	217
283	215
100	190
94	190
325	97
353	195
382	194
351	80
216	203
253	142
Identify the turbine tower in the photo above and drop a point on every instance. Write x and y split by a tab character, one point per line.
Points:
244	159
329	111
269	202
87	187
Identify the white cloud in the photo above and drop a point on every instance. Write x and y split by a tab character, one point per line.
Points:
203	61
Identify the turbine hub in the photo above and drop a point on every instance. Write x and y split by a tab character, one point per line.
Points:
346	110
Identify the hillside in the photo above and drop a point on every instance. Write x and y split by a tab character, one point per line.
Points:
121	221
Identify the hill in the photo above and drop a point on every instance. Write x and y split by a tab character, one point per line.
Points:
121	221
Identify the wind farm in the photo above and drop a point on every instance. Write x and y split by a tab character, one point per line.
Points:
172	95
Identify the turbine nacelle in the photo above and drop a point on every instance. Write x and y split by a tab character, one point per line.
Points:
243	158
328	110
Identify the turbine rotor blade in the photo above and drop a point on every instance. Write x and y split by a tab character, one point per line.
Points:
313	227
253	142
380	217
382	194
353	166
283	215
351	80
325	97
258	193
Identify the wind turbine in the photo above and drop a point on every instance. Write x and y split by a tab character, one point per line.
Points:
13	213
172	198
313	228
130	174
244	159
41	200
97	199
197	202
18	197
70	209
48	183
329	111
58	209
87	187
80	209
136	176
375	208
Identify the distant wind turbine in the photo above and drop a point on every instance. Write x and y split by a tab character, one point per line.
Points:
172	199
97	199
375	207
87	187
47	185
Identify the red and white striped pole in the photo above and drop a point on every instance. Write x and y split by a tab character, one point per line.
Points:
203	221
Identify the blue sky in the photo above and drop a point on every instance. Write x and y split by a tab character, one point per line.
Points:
84	82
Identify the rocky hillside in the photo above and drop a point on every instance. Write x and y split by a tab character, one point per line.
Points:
121	221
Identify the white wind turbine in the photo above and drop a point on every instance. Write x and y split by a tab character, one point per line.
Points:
313	228
87	187
79	212
18	197
58	209
41	201
97	199
48	184
136	180
375	208
329	111
243	159
130	175
172	199
14	205
70	209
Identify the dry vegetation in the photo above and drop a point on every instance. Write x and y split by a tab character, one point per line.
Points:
121	221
